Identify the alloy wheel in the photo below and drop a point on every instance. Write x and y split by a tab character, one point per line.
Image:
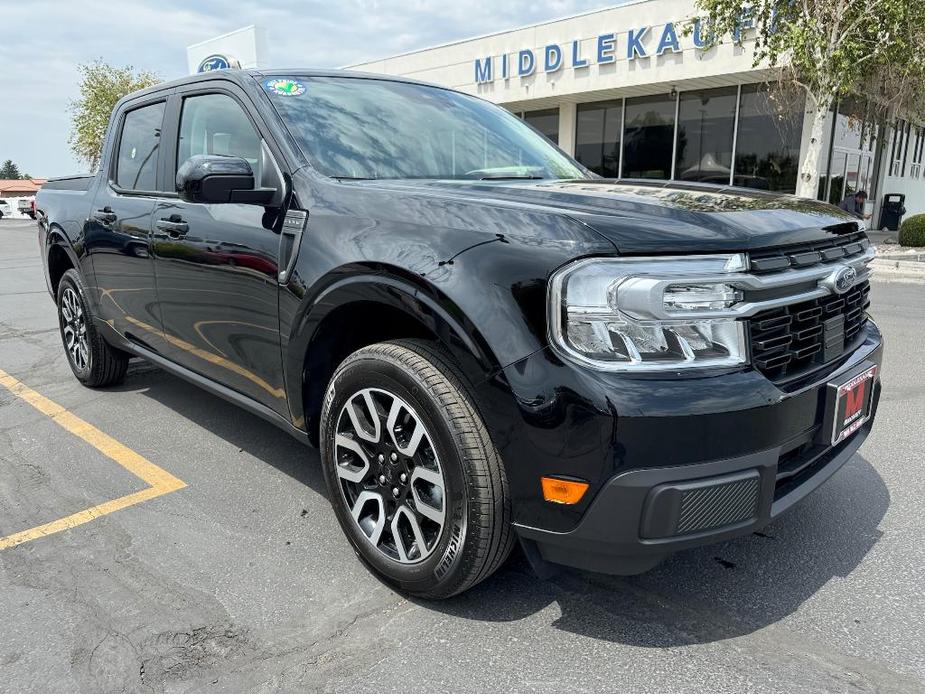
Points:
74	329
390	475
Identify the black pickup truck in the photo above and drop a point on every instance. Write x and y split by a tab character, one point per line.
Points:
487	342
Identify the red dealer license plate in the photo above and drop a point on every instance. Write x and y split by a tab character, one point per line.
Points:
852	405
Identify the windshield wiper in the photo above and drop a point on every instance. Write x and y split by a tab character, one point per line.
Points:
511	177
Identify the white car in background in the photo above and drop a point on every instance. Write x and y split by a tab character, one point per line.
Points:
5	209
26	207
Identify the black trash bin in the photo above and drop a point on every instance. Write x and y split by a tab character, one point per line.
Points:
891	214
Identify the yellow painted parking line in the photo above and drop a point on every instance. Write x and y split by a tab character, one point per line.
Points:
159	480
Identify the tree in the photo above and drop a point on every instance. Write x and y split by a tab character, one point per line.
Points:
832	48
9	171
101	87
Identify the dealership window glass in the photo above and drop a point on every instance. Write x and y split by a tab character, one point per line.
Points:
915	170
216	124
906	148
867	164
850	123
852	174
597	137
373	129
768	141
136	162
706	120
837	176
897	147
546	121
648	137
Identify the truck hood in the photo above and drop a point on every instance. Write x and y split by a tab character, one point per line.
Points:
658	217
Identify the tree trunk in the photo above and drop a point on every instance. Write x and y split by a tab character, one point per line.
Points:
808	180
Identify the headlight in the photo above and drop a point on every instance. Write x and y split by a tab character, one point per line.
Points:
649	314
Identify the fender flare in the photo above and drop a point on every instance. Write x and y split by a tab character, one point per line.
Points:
57	237
399	290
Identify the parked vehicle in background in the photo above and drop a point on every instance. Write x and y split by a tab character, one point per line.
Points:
26	206
486	341
5	209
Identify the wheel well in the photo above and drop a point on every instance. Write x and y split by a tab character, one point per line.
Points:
58	264
341	333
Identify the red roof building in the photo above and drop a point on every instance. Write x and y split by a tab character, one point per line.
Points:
20	188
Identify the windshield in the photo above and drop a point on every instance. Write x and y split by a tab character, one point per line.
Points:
375	129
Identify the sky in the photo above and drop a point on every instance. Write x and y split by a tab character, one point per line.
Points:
42	42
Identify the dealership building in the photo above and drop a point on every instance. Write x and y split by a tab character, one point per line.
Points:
639	91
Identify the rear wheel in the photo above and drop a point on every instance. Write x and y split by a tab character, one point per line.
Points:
94	362
414	478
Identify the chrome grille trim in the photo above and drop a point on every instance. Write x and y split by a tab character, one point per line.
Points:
640	297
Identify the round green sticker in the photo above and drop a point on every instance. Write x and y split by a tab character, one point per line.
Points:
284	87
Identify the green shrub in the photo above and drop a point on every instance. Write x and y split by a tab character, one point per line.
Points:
912	232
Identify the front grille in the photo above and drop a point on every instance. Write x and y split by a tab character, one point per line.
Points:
840	248
799	465
791	341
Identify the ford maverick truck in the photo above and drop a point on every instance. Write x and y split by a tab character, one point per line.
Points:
488	343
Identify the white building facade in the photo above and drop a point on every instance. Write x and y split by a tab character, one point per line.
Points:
639	91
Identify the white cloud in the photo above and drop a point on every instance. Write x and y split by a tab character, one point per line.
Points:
44	40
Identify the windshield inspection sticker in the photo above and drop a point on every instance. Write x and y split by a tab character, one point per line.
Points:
284	87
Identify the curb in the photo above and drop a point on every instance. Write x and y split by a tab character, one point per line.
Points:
898	269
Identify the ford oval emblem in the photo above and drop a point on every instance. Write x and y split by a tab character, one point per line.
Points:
214	62
843	279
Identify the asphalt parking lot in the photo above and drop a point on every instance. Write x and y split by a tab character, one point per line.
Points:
241	580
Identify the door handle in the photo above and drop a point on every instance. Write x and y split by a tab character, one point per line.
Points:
105	216
174	225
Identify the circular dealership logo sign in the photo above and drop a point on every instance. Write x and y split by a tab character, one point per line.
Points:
284	87
218	62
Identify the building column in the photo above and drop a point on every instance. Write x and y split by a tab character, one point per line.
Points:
567	122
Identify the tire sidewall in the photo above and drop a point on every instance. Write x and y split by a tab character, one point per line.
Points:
71	280
440	568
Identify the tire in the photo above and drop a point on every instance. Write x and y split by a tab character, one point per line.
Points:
420	383
94	362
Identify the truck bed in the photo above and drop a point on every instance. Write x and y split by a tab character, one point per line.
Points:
79	183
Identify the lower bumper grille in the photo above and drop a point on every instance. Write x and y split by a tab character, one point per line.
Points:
676	509
793	340
714	507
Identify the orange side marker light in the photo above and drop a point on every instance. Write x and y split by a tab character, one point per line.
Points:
563	491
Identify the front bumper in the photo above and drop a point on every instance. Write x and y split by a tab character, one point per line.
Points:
641	513
632	524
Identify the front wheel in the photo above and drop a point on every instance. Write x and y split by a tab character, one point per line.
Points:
416	483
94	361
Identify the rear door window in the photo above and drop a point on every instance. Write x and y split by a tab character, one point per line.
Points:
136	163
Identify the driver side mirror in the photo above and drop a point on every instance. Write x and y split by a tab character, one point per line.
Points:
211	178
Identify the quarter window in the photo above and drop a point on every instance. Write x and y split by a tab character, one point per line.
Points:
136	165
